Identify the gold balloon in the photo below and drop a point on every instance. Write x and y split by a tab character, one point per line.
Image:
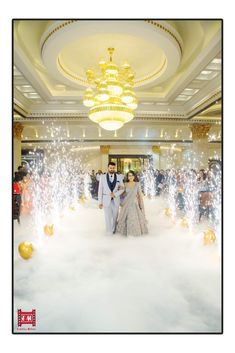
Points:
184	222
209	237
49	229
156	149
82	199
168	211
25	250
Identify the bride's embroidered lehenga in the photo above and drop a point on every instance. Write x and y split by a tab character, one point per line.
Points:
131	220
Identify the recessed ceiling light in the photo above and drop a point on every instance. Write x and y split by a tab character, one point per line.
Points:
60	87
25	88
216	61
32	95
17	72
189	91
69	102
182	97
207	75
215	64
205	72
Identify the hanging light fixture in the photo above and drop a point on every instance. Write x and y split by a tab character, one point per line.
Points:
111	98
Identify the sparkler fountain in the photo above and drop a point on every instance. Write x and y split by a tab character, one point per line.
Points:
56	184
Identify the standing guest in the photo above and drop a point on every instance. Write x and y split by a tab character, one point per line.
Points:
26	194
142	180
211	181
180	182
201	175
17	189
155	176
201	180
98	175
20	172
24	168
93	183
160	181
120	174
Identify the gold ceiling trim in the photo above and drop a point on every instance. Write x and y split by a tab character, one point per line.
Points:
161	27
72	75
84	114
136	82
148	118
144	116
56	29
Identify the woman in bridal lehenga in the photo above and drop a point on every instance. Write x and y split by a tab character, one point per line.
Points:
131	220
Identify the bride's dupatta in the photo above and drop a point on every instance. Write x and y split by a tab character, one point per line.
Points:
129	198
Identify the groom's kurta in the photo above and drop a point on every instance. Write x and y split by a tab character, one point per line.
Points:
110	183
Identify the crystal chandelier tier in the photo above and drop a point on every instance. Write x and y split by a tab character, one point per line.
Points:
110	97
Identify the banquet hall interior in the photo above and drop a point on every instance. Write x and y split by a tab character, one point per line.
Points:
146	95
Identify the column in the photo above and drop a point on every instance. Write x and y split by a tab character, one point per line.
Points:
200	145
156	156
104	149
18	129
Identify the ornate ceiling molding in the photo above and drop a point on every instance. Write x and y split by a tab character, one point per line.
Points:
140	116
166	29
159	37
82	119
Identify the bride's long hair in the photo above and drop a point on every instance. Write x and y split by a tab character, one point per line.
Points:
134	174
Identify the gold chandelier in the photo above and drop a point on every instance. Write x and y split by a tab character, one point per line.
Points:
111	100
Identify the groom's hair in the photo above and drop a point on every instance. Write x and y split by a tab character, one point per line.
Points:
111	163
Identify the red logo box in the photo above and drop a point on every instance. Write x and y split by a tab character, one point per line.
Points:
26	317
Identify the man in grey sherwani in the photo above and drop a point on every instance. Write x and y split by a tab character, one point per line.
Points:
110	188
